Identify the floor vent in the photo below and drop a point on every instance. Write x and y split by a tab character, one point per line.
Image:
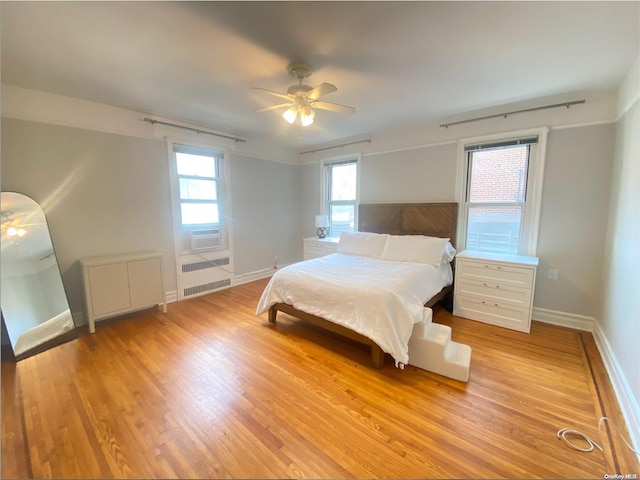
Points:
192	267
206	287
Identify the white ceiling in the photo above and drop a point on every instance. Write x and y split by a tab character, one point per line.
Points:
397	63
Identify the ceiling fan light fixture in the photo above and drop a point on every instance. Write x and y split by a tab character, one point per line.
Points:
290	115
12	232
302	99
307	115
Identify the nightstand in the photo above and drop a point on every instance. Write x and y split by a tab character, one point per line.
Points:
319	247
496	289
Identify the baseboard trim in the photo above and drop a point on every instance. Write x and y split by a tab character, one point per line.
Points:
171	296
252	276
79	318
564	319
628	403
626	400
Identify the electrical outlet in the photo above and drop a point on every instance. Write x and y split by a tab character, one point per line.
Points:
552	274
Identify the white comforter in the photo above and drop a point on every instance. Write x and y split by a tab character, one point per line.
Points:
379	299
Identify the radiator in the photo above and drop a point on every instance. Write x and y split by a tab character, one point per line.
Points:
199	274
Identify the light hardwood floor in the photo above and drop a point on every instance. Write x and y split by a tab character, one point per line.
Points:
210	390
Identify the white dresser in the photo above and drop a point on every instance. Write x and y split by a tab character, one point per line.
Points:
319	247
495	289
118	284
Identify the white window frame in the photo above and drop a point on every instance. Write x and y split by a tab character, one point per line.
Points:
530	221
324	190
224	204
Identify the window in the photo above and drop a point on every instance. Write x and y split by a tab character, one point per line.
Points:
501	195
198	198
341	195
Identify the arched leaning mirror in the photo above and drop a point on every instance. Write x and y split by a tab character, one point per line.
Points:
35	310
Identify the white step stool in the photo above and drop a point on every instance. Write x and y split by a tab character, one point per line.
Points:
431	348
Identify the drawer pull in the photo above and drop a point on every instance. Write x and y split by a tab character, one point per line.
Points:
485	303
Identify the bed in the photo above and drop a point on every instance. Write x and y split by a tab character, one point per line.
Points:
323	291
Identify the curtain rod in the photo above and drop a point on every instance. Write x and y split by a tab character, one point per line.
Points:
152	121
368	140
506	114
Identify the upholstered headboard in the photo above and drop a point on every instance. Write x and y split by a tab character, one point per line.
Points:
432	219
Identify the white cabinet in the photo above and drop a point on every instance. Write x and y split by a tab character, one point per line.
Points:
495	289
118	284
319	247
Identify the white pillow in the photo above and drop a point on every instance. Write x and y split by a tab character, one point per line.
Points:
449	253
419	249
362	243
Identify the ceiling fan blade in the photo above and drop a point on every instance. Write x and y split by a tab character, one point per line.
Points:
271	92
273	107
333	107
321	90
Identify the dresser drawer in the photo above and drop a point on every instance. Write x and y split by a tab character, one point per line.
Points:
321	246
494	313
314	254
494	292
503	275
318	248
317	252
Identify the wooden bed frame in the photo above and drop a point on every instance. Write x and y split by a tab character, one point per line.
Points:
432	219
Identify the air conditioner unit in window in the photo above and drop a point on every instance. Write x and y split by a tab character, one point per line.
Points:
205	239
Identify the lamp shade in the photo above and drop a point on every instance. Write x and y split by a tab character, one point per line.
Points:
290	115
322	221
306	115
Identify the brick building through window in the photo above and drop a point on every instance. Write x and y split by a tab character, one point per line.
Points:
496	195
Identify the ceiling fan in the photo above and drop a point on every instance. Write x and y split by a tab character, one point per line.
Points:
12	223
302	99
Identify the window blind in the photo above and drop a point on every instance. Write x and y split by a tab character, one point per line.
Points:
177	148
501	144
340	162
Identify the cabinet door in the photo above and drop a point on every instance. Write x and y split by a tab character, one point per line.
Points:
145	282
109	288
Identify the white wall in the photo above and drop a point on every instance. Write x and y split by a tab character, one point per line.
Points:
102	193
420	175
620	313
32	293
573	218
265	214
23	304
53	288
